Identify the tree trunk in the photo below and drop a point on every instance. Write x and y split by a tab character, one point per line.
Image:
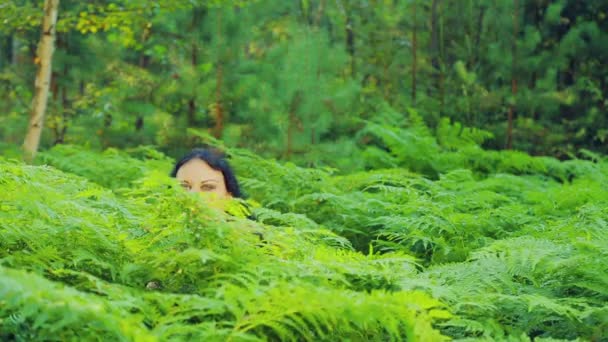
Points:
513	74
192	101
60	127
65	117
291	122
414	53
54	89
350	44
480	18
319	15
435	43
144	62
219	79
43	77
197	16
4	51
219	111
442	58
16	55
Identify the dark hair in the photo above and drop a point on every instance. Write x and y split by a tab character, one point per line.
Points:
217	161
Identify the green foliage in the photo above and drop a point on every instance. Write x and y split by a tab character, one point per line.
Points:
508	252
294	79
159	262
112	169
389	219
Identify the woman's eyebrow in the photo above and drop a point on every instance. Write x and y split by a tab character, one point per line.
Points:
209	181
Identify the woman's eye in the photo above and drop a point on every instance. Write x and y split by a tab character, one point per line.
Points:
207	187
186	186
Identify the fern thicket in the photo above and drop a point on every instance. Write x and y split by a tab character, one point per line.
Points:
155	262
457	242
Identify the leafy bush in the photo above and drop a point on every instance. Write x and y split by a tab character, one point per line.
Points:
513	250
79	261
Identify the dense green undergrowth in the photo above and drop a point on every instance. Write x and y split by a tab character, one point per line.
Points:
474	245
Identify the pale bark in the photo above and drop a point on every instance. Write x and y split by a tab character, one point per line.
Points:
43	79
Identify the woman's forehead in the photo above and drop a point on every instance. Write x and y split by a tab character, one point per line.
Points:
198	170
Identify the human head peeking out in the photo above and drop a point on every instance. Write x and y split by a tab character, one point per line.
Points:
207	170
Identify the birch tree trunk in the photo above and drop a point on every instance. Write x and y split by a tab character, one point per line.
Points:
43	78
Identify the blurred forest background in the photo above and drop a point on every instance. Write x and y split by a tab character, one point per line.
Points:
323	83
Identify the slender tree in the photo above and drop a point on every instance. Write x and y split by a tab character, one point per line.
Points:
435	53
197	15
479	32
414	52
513	74
219	80
144	62
43	78
349	33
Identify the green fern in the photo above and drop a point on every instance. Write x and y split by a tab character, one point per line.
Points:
514	249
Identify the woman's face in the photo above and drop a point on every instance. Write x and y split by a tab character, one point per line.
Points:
197	176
